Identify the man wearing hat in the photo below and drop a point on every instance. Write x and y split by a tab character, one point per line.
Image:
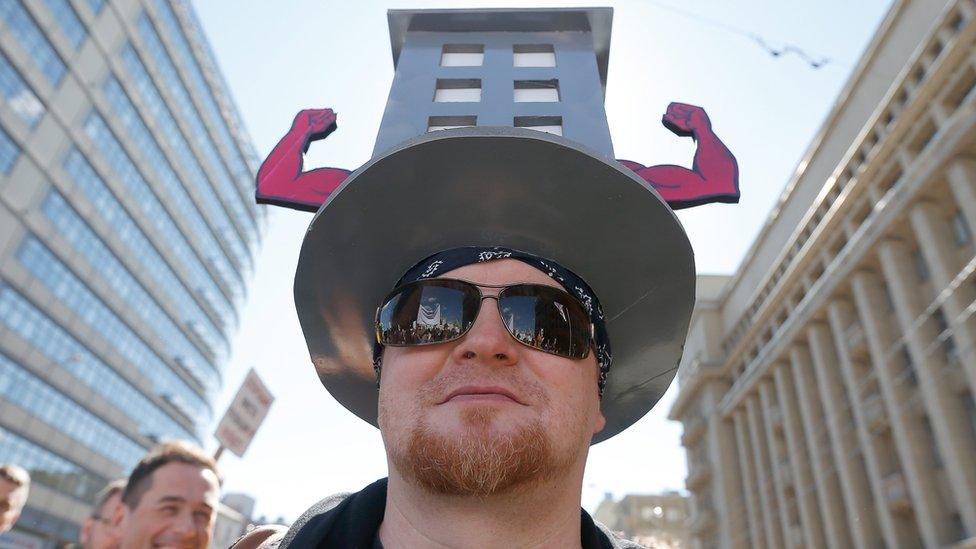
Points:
495	300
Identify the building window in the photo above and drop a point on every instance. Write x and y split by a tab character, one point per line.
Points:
958	526
88	308
8	153
51	406
921	267
960	229
887	297
50	469
458	90
18	95
930	439
435	123
20	317
534	55
23	27
945	335
462	55
908	368
548	124
536	91
969	405
68	20
140	248
197	81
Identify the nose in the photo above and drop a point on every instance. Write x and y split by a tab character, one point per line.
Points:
184	527
488	341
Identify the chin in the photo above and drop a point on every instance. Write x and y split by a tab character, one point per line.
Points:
478	452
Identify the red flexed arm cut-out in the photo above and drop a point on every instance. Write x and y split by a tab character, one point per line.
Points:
714	176
281	180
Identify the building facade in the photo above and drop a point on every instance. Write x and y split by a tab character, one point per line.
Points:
498	67
656	521
127	230
235	516
827	389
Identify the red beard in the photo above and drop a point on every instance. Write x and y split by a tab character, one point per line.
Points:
478	462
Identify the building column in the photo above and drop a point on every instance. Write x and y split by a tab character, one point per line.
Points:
916	458
936	242
756	536
962	182
812	414
948	416
841	319
837	413
803	482
768	406
727	487
763	473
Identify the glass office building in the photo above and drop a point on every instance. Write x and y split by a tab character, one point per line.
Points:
127	231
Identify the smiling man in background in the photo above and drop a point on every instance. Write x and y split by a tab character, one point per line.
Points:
14	488
170	499
97	531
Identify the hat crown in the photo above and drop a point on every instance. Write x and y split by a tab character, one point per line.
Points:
540	69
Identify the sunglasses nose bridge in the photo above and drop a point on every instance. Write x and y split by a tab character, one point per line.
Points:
488	336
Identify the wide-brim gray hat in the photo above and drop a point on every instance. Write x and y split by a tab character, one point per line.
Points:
499	186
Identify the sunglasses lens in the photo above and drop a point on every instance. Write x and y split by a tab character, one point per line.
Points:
545	318
428	311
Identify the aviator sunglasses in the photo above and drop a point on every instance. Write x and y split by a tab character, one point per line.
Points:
438	310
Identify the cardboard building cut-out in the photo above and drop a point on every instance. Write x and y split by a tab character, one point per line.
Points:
540	69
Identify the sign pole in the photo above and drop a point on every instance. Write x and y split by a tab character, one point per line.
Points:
218	453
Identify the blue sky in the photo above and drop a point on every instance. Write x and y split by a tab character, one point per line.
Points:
280	57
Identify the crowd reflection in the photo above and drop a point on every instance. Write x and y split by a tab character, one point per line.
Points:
422	333
419	332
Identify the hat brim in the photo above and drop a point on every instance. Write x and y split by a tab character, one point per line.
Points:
522	189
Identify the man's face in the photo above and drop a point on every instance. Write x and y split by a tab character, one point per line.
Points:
12	499
177	510
98	532
486	414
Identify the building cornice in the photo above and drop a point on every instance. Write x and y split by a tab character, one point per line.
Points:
819	139
887	149
928	166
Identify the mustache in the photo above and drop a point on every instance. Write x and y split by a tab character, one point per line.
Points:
527	390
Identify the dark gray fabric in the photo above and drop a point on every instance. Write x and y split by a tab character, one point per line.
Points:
352	521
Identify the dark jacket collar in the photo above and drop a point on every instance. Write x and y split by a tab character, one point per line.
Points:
353	520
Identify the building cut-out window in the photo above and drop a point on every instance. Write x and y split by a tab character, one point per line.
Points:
536	91
455	90
435	123
534	55
462	55
548	124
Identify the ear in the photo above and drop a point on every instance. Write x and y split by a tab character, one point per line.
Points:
599	422
120	516
85	531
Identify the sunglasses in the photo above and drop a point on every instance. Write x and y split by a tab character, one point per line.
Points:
438	310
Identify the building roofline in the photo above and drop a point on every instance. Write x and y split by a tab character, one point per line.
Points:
840	104
597	21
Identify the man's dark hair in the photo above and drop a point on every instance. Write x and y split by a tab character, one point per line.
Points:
117	486
178	451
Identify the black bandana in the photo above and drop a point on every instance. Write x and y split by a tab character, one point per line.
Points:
449	260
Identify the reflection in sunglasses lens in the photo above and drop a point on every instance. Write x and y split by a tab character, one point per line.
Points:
442	310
